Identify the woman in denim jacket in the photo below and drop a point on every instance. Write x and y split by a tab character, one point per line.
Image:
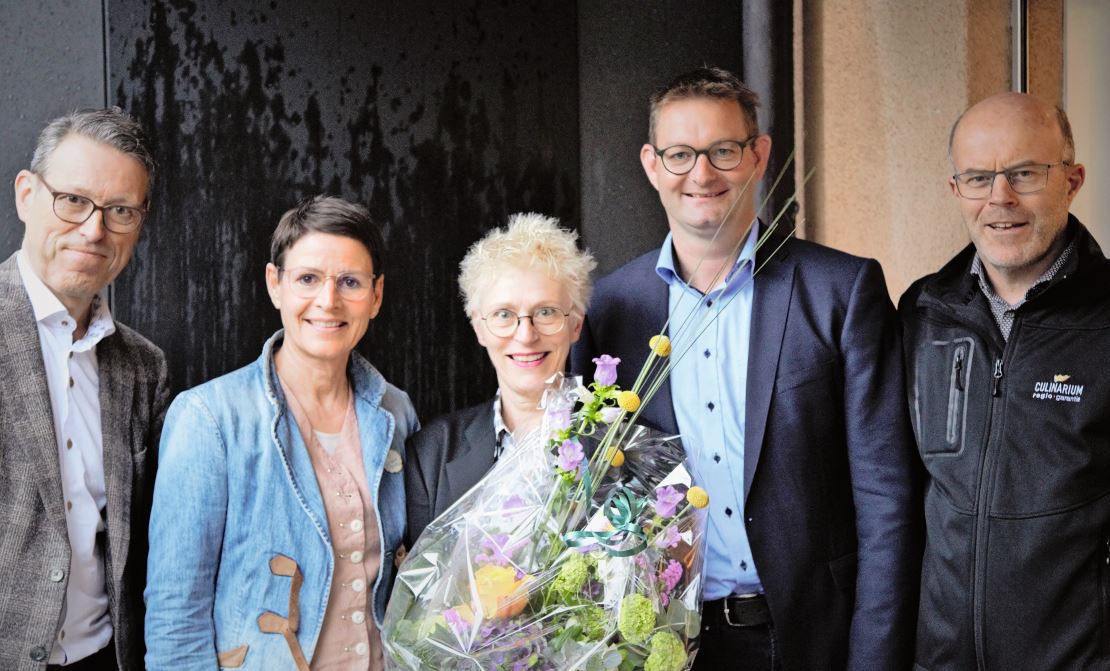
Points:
279	505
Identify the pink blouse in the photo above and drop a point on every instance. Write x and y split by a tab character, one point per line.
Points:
349	640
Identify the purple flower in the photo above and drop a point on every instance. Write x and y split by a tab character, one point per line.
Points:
558	419
668	539
570	455
666	501
496	549
671	575
513	503
455	621
606	373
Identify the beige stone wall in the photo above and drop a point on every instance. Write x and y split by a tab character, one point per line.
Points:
1046	49
882	83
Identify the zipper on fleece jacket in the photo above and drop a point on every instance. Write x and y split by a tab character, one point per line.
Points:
987	464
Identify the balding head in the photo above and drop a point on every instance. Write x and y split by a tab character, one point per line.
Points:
1020	109
1015	178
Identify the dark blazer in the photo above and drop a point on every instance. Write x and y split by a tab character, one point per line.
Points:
445	459
828	446
34	542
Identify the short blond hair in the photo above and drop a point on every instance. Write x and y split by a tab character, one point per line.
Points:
529	240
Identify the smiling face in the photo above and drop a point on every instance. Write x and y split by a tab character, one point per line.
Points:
326	327
76	261
526	358
697	202
1017	236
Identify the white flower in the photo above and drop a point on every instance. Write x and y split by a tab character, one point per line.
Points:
610	414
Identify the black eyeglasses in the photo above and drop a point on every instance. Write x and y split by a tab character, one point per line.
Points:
547	320
74	209
680	159
1023	179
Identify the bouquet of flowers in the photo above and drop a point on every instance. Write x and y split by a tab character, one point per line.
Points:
581	549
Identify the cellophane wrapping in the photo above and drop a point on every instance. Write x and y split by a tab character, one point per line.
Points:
544	567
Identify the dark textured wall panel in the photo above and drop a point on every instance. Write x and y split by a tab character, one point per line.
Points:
626	50
443	118
51	62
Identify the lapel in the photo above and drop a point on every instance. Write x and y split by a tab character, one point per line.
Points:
116	395
655	303
290	431
773	289
474	456
25	410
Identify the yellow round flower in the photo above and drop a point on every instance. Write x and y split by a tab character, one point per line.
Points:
628	401
500	593
660	344
618	459
698	497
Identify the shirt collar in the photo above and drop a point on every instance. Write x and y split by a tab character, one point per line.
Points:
502	437
665	267
1037	287
50	312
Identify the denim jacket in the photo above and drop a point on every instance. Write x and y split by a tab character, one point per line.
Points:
238	520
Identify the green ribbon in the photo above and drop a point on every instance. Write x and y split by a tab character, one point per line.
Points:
622	508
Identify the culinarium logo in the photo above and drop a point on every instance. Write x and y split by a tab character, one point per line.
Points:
1058	389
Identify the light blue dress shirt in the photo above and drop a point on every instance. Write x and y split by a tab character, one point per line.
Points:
710	335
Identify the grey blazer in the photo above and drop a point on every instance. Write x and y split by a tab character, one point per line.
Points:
34	545
445	459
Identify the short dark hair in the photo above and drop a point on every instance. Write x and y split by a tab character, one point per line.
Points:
331	215
707	82
110	125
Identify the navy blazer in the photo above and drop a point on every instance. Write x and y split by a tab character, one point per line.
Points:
444	460
828	463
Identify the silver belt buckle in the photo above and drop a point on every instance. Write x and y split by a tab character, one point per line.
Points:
724	604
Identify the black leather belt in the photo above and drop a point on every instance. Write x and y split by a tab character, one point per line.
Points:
738	611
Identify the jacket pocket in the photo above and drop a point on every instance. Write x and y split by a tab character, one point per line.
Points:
843	570
948	363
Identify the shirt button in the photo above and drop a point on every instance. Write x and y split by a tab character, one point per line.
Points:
356	525
69	505
358	617
358	584
56	574
362	649
71	382
69	444
356	556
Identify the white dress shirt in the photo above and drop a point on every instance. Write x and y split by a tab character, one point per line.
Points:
74	385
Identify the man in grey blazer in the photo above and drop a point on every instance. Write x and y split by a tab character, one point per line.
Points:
83	402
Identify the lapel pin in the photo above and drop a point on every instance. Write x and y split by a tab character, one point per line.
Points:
393	462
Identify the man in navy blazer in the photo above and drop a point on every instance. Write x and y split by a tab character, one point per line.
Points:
787	391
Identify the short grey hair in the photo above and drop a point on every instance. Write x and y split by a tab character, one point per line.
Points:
529	241
1061	121
111	126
